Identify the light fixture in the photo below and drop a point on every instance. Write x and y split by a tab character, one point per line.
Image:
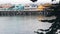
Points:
33	0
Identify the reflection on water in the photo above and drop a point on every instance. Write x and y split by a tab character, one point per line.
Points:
21	24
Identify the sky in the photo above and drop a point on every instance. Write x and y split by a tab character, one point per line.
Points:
24	1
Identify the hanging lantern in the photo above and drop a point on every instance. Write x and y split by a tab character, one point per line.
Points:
33	0
53	0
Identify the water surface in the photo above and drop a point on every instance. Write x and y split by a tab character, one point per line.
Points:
21	24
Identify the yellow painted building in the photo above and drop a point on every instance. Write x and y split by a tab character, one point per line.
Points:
41	7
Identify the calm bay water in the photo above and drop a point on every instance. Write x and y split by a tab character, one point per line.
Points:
21	24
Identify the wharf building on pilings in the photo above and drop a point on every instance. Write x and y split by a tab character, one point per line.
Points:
28	9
